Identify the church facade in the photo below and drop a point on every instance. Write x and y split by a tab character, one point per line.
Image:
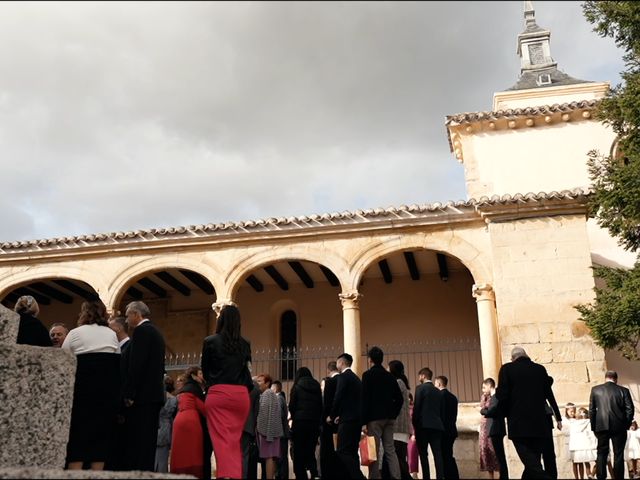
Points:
452	286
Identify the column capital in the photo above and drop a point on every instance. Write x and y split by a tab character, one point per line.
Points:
217	307
482	292
350	300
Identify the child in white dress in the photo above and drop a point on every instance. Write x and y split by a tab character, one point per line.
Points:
582	444
632	450
569	417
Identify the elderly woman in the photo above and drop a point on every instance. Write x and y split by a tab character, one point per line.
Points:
97	387
269	428
31	331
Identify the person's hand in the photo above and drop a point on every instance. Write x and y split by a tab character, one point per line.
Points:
365	430
329	420
337	419
560	425
128	402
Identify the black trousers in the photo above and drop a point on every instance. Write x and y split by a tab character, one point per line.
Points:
529	450
347	451
304	436
618	440
498	447
330	465
282	464
117	457
450	465
249	456
142	436
549	457
424	438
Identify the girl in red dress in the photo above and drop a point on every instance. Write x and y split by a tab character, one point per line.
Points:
187	442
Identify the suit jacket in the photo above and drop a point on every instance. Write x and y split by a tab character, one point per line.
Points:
495	420
450	414
347	402
330	385
144	381
523	391
428	407
381	395
610	408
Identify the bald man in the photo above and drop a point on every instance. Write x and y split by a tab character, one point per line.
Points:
58	333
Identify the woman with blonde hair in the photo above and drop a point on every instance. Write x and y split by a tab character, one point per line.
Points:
31	331
96	392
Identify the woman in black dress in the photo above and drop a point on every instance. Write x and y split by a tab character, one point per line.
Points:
31	331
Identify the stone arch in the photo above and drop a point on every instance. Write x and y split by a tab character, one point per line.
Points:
330	259
94	279
445	242
137	270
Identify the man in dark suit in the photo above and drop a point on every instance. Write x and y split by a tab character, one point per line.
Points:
523	391
346	412
143	391
450	430
611	414
117	457
548	449
328	459
428	412
381	404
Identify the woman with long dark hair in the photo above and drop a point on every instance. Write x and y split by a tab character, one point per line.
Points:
226	357
402	427
305	405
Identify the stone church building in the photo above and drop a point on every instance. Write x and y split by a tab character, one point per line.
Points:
453	286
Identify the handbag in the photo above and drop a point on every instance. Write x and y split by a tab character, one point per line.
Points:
368	453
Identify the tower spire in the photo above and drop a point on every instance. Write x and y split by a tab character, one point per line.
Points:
537	67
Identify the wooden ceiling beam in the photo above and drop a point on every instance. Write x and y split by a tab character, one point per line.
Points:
52	292
76	289
412	265
199	281
134	293
443	267
172	281
275	274
302	273
255	283
385	270
153	287
330	276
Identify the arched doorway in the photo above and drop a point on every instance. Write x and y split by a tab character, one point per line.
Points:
59	299
417	306
180	302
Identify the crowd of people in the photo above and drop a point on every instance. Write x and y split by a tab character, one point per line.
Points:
128	414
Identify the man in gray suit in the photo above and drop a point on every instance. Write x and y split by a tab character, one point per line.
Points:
611	414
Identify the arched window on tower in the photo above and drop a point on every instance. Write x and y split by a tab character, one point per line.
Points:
288	344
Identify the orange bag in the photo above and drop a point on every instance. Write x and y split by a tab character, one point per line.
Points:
368	453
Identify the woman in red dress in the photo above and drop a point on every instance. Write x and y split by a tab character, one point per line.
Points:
187	441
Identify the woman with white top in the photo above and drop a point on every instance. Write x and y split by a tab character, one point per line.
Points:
97	387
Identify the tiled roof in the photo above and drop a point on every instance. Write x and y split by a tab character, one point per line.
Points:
464	118
370	216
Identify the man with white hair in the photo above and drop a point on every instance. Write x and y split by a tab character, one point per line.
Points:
523	390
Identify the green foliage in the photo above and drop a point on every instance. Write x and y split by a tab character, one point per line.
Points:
614	318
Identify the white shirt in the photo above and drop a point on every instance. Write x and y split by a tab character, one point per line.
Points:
91	339
142	321
122	342
333	374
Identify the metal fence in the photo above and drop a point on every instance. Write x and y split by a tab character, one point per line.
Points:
458	359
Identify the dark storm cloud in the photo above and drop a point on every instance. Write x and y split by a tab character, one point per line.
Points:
127	115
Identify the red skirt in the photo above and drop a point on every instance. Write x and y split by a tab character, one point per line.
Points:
187	444
227	407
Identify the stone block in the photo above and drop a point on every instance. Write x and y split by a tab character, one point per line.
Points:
598	352
43	473
596	370
576	351
519	334
575	372
540	352
36	395
579	329
577	393
9	323
554	332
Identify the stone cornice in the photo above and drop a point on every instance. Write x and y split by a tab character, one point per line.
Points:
475	122
377	219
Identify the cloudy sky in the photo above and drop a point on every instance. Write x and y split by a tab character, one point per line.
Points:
120	116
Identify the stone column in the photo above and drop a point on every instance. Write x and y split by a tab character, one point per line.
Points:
488	326
351	326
